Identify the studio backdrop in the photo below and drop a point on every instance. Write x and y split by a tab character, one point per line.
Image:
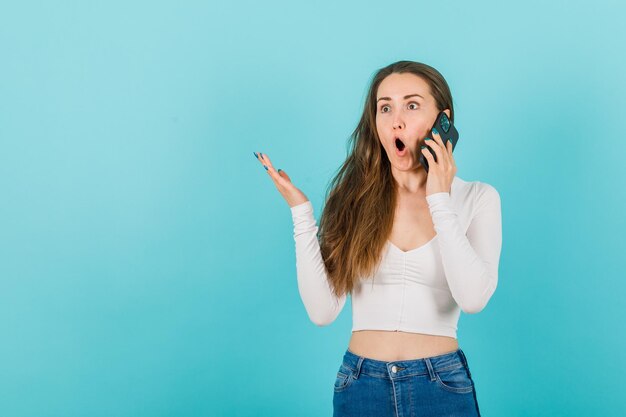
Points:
147	263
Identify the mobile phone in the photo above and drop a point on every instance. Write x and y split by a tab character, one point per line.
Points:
447	131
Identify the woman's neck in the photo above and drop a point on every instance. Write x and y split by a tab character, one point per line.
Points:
410	182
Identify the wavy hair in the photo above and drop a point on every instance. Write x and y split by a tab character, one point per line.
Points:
360	200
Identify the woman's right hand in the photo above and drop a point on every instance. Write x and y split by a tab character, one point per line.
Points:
283	183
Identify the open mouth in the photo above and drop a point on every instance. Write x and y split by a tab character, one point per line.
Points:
400	145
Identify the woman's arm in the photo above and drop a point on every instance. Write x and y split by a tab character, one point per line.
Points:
470	261
321	304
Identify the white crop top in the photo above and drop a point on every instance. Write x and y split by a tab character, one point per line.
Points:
422	290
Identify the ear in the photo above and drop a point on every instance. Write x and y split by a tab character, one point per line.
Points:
447	112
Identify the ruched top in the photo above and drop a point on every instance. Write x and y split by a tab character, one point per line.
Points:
422	290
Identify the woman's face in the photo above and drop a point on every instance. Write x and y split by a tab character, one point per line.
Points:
405	109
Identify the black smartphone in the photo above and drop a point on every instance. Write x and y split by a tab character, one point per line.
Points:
447	131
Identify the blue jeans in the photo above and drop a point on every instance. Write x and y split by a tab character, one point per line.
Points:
435	386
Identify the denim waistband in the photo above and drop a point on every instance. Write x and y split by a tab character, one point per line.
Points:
396	369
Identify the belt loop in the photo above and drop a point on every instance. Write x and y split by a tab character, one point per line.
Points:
463	358
431	372
464	361
358	367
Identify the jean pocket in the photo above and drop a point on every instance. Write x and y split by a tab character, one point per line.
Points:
344	378
455	380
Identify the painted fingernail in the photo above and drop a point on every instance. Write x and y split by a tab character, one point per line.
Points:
257	156
435	132
278	170
260	154
428	139
422	147
265	167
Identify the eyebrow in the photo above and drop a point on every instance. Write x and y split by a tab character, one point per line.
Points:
405	97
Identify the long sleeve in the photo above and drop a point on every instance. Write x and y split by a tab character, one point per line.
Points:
470	261
321	304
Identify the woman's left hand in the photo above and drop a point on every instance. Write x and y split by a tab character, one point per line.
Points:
442	172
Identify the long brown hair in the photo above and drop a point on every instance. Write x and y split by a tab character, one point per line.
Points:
360	200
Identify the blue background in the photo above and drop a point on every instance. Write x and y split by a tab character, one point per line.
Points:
147	263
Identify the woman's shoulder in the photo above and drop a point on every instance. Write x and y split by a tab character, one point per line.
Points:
475	192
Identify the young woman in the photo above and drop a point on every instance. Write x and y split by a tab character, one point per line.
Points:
412	248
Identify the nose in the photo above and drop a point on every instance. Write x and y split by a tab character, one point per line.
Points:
398	123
